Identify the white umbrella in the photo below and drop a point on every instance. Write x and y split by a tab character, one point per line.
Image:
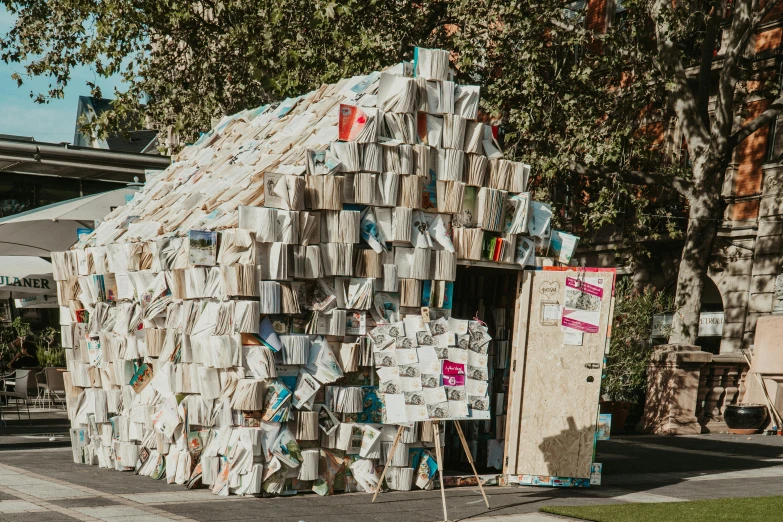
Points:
23	275
52	228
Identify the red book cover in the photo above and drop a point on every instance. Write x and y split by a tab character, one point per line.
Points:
421	126
352	121
498	249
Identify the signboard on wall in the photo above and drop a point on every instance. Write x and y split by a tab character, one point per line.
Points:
37	301
710	325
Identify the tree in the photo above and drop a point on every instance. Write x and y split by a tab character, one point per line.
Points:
192	61
583	105
710	136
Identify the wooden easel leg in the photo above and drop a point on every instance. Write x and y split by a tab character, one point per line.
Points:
436	428
470	459
388	461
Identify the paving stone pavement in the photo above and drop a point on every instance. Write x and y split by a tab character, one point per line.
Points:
44	485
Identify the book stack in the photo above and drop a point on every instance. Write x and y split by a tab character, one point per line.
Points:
242	303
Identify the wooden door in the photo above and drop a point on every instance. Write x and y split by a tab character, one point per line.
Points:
555	383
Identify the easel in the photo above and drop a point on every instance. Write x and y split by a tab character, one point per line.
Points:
436	429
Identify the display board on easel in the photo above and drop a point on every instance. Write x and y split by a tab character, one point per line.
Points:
562	328
438	450
433	371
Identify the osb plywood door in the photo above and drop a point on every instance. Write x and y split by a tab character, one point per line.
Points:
551	423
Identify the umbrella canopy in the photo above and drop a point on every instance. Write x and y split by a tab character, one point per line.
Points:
53	227
22	275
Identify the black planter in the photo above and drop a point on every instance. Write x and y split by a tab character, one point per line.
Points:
745	419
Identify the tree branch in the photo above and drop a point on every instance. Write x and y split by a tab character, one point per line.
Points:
775	108
683	101
759	17
635	177
739	34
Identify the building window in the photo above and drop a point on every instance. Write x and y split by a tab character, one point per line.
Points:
771	154
769	157
21	192
620	14
575	14
685	156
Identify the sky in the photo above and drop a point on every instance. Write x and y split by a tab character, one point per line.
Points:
53	122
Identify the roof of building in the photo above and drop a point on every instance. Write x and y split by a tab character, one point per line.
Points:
26	156
239	162
131	140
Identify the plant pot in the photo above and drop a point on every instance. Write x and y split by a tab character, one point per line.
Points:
619	411
744	419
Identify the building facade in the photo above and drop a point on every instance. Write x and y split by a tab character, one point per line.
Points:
745	277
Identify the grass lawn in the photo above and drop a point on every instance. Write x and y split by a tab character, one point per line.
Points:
717	510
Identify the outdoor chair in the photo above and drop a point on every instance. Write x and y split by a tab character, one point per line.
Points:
53	384
21	392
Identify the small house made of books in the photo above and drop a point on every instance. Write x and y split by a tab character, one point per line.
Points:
310	275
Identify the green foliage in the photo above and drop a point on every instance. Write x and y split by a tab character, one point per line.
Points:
709	510
562	91
48	357
48	353
47	337
625	375
21	328
7	338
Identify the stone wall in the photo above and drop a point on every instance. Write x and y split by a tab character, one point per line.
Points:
688	390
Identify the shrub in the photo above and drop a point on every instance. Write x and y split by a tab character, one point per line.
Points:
625	374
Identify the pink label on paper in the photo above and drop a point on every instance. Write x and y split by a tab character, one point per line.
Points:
452	368
453	380
579	325
585	287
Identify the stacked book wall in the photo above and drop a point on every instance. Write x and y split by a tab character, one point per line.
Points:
261	316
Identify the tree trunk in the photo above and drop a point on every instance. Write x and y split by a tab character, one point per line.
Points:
703	220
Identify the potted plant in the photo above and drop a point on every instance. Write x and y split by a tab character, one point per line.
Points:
7	347
21	328
625	375
11	336
49	354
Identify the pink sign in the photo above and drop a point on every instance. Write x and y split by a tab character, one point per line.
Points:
579	325
585	287
453	380
452	368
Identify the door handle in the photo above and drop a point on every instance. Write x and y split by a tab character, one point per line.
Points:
592	366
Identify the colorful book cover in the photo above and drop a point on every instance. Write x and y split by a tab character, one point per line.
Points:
203	247
604	426
372	411
356	323
386	307
448	295
421	126
429	192
467	218
110	287
426	293
141	378
365	82
498	250
352	121
277	395
562	246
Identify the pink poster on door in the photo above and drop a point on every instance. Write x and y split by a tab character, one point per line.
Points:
582	305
